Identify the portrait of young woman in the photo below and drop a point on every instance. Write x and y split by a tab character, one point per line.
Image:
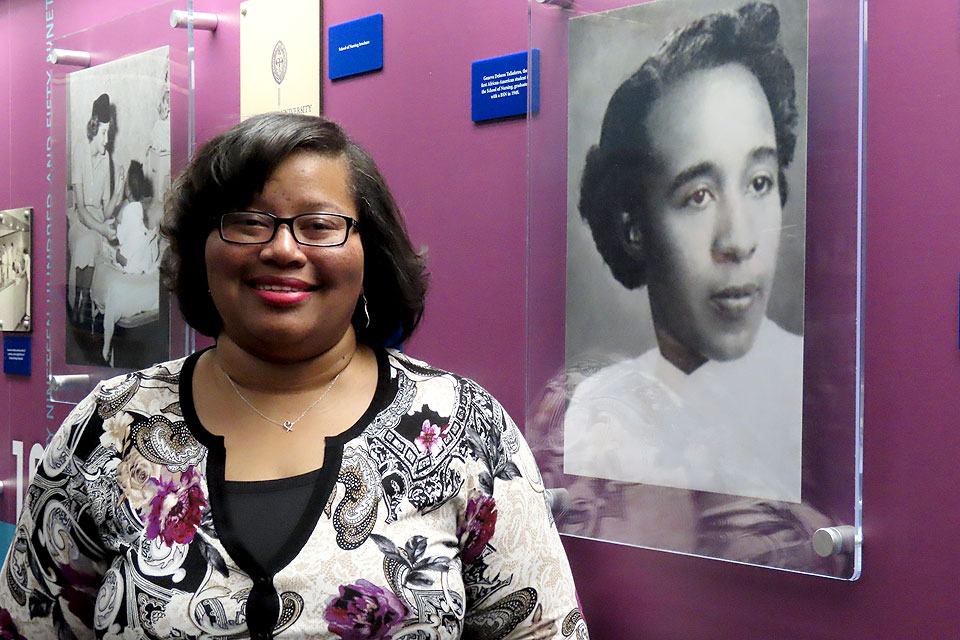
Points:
692	199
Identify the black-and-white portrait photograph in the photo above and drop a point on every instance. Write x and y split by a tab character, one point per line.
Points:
685	245
15	280
118	169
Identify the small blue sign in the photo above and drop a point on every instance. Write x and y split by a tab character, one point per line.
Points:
16	355
499	86
7	531
356	46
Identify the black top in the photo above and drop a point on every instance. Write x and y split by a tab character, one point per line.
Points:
263	603
327	476
265	513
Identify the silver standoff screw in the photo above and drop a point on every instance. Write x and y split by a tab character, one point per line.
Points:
833	541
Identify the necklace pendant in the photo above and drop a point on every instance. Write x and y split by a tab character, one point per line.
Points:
286	424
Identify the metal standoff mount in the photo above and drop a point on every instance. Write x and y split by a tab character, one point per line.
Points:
85	381
203	21
69	56
58	382
834	541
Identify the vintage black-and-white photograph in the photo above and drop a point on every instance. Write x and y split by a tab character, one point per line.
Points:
685	245
118	141
15	269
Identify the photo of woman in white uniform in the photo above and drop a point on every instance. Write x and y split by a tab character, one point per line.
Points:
690	193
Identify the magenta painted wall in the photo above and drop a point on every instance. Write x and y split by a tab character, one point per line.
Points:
462	187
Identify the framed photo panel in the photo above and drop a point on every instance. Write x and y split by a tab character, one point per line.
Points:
680	312
118	144
119	131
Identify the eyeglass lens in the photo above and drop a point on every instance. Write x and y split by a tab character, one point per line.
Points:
316	229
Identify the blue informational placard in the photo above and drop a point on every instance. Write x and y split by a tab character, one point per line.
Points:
16	355
498	86
7	531
356	46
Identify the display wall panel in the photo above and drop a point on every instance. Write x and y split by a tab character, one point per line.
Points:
693	290
121	128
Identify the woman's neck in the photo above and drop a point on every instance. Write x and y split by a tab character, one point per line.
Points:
677	353
255	372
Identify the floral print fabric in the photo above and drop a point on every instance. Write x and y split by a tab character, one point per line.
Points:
435	527
176	508
365	611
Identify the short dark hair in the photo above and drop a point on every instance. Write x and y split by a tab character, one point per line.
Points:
102	112
138	183
612	187
229	171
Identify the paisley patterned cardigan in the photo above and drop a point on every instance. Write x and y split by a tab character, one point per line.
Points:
429	521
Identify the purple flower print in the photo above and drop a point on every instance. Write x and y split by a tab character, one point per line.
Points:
8	628
478	526
79	592
176	510
431	437
364	611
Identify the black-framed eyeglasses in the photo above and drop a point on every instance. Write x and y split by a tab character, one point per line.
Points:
310	229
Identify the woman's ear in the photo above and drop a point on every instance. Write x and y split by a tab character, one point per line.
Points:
631	235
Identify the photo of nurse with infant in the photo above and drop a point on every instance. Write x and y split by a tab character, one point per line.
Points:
118	137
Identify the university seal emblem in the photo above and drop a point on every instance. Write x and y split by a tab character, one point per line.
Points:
278	62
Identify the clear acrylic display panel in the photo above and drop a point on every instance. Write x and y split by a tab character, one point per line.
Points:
756	531
127	64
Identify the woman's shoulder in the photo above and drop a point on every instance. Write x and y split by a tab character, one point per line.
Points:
401	361
448	397
168	371
427	377
138	387
103	417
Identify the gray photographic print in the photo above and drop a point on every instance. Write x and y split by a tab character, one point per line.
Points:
15	281
118	170
685	246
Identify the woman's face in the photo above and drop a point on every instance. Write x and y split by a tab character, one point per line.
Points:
282	300
713	227
100	138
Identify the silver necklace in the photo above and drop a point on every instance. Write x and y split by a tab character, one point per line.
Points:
286	424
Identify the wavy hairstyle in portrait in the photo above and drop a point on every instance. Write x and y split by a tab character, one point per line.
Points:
612	190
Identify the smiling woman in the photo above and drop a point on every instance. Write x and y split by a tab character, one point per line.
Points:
280	297
300	476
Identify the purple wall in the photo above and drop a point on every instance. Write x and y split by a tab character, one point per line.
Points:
22	177
462	188
460	185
